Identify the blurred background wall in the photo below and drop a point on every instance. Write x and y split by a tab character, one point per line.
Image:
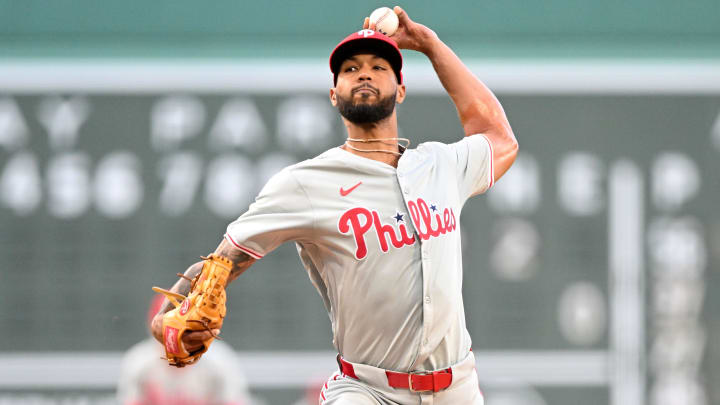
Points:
132	133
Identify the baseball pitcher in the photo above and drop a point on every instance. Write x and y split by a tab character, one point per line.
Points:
376	226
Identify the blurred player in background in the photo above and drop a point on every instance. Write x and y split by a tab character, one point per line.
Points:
146	379
376	227
312	391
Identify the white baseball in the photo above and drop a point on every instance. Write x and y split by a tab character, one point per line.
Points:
385	20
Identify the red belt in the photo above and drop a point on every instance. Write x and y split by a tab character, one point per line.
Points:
417	382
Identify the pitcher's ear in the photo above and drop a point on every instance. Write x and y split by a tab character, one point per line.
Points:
400	95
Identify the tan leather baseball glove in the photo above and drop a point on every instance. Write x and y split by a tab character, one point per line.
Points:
203	309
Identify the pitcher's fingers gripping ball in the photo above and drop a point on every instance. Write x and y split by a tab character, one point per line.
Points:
200	314
384	20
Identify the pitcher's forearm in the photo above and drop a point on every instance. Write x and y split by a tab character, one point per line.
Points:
478	108
241	262
182	286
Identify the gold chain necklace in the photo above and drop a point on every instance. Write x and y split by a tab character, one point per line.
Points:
407	144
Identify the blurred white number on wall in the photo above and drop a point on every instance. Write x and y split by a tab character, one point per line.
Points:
678	297
580	187
62	118
68	180
675	180
515	250
180	174
20	184
229	185
519	189
13	129
239	124
305	122
582	313
118	187
175	119
678	389
677	247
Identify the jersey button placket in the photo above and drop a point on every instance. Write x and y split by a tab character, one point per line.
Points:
427	310
402	186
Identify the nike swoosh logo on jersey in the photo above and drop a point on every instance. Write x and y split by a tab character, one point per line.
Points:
348	191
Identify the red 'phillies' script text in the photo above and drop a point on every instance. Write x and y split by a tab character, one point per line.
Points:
359	221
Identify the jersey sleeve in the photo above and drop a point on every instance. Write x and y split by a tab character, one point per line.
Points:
474	165
280	213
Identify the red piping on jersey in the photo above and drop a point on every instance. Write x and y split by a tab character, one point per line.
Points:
252	253
492	165
346	368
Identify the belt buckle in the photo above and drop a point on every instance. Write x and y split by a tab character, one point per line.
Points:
410	383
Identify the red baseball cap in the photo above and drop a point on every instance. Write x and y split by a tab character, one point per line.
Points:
367	41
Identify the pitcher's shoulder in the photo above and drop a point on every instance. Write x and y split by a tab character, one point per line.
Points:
432	147
425	151
329	159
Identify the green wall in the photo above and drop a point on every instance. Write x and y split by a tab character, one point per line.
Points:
225	28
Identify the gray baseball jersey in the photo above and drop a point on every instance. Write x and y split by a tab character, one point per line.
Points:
380	244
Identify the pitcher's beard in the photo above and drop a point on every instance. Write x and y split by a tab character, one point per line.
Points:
365	113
